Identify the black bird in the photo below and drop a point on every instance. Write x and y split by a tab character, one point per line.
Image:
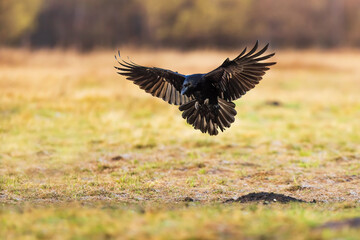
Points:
205	99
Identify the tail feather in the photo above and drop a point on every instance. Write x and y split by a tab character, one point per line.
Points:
208	117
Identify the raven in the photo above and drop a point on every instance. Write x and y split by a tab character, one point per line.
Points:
205	99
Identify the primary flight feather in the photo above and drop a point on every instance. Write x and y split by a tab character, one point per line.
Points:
205	99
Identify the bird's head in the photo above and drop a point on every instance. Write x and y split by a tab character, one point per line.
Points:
191	84
187	87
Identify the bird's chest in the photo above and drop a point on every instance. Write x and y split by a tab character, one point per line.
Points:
206	92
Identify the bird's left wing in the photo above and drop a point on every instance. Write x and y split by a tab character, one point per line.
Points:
235	77
159	82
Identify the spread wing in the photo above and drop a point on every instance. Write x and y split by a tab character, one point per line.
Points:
234	78
158	82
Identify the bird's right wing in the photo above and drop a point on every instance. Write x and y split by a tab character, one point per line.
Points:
235	77
158	82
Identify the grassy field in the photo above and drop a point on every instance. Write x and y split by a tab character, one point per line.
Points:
85	154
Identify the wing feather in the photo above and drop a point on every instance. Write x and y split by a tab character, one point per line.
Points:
161	83
234	78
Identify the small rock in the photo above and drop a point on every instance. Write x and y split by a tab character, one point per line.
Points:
230	200
117	158
121	157
274	103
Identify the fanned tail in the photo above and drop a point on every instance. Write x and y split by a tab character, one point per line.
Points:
209	117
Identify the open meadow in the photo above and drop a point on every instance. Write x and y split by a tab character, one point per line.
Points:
86	154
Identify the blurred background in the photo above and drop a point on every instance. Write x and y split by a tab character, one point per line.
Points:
182	24
73	129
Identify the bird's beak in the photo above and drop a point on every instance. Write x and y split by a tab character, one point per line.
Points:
184	90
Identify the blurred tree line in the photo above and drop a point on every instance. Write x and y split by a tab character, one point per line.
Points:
86	24
17	19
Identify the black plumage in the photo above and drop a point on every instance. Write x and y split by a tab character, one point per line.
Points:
204	99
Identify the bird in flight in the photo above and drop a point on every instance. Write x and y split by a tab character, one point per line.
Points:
205	99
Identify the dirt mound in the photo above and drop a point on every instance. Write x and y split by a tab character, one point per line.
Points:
266	197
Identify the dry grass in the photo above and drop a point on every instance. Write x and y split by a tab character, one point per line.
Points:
66	117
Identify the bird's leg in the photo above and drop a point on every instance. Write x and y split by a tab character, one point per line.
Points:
214	107
211	106
197	105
